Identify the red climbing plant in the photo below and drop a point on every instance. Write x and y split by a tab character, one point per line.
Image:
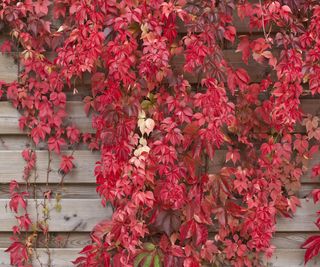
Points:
164	102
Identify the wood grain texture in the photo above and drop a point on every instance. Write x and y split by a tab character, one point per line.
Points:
88	190
81	239
9	117
256	71
8	68
81	208
20	142
291	258
12	164
303	220
66	191
220	157
242	26
63	258
60	257
79	215
76	240
306	189
85	213
290	240
84	161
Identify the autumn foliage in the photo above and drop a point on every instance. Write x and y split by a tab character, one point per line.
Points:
159	127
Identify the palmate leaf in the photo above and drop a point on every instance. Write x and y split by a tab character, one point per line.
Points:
168	221
149	256
312	244
139	258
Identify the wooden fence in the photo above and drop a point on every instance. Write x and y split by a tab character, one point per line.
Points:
81	208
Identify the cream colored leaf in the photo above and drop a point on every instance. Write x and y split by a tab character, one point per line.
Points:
149	124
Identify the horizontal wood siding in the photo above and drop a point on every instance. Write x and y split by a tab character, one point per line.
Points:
80	204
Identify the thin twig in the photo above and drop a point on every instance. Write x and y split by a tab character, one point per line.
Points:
263	27
47	215
37	213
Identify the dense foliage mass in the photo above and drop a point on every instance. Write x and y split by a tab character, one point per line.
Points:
159	127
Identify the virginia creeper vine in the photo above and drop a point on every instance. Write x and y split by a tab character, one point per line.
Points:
163	101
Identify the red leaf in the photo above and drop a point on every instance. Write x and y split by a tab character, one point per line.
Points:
244	47
66	164
316	195
177	251
6	46
55	143
201	234
312	244
187	230
243	77
230	33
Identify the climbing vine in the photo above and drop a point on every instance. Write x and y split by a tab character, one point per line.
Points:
164	99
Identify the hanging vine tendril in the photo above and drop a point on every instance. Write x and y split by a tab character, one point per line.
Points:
158	137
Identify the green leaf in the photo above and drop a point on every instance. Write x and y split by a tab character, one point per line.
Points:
149	246
156	261
139	258
58	207
147	262
145	104
151	97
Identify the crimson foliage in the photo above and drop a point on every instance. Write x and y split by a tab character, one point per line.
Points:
158	133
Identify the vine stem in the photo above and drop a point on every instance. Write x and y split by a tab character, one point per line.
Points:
47	214
34	191
263	27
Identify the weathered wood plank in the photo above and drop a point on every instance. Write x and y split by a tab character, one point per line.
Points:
256	71
12	165
303	220
242	26
60	257
66	191
9	117
8	68
87	212
81	239
220	157
20	142
17	142
57	240
84	161
79	215
311	106
306	189
63	258
289	240
291	258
